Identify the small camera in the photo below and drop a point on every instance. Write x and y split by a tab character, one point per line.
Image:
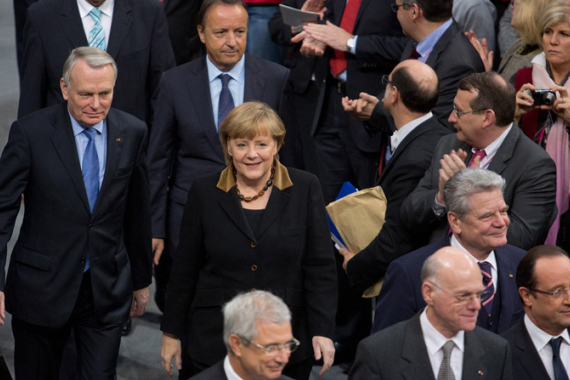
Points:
542	97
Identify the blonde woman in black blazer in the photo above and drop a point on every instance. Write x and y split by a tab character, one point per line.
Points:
256	225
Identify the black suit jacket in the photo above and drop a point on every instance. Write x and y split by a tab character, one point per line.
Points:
219	256
401	294
46	266
399	352
527	364
452	58
216	372
138	42
530	191
184	143
399	178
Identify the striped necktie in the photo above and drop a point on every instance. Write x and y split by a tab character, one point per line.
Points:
96	35
489	295
226	102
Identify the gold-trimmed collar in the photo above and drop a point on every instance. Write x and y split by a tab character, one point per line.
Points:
281	179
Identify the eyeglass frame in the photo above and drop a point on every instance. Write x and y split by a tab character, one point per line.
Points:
386	79
396	7
462	299
273	349
461	113
560	293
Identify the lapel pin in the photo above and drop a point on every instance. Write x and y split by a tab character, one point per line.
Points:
510	275
480	373
118	139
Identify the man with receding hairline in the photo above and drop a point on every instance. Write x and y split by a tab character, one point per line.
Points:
442	341
411	92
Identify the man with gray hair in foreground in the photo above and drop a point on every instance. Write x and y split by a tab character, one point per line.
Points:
441	342
258	336
478	220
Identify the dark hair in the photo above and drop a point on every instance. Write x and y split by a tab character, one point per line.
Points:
494	93
417	97
434	10
525	271
207	4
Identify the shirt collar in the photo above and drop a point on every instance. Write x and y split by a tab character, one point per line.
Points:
230	373
237	72
491	259
492	148
434	339
539	337
425	46
77	129
281	179
106	8
400	134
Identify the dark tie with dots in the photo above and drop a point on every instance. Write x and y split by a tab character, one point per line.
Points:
559	370
487	300
226	103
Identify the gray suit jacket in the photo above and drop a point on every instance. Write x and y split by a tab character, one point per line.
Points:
530	191
399	352
216	372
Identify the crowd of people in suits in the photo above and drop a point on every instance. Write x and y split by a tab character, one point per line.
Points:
200	141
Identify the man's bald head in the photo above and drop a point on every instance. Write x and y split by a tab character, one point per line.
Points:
417	84
449	261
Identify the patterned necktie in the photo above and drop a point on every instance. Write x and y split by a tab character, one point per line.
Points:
90	171
96	35
226	102
487	300
559	370
478	153
338	60
445	371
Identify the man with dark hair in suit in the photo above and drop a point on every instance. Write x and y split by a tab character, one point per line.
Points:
541	341
258	336
486	137
478	218
133	32
442	341
438	41
411	93
83	257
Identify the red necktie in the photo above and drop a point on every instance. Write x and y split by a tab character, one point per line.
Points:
415	54
338	61
478	153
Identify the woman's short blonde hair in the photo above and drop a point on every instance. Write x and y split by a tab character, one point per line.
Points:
526	22
249	120
557	12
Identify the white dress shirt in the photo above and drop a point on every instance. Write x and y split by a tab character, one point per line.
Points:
106	17
492	148
230	373
434	343
541	341
491	259
400	134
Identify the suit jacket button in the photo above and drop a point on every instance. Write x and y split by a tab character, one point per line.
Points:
254	268
253	245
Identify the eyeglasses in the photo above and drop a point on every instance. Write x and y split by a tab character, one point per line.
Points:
558	293
461	113
395	7
386	79
273	349
464	298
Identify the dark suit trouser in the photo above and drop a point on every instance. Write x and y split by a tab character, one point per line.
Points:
38	351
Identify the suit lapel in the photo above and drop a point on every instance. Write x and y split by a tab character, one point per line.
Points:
232	206
414	352
277	202
64	144
505	151
115	140
473	366
441	44
254	82
200	99
119	27
361	11
71	23
507	286
529	358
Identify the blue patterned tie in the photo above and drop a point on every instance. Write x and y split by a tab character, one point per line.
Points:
90	173
559	370
96	35
487	300
226	103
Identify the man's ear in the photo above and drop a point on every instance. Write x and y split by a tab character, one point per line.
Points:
201	34
64	89
427	293
524	293
235	344
454	224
